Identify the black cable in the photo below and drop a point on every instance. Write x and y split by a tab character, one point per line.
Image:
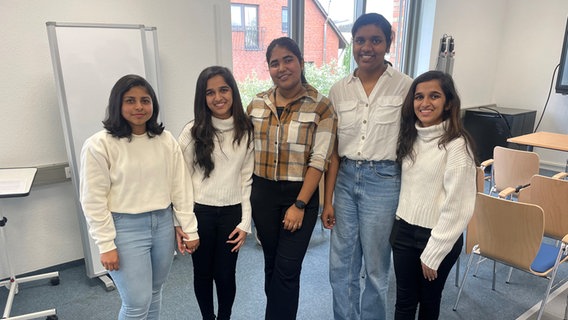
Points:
509	135
547	98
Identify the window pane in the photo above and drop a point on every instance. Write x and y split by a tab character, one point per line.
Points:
263	19
327	50
285	20
393	11
236	17
251	28
327	36
250	16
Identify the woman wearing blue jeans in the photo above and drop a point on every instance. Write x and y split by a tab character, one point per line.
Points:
133	181
368	104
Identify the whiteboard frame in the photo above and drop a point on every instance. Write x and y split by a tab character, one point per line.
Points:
151	71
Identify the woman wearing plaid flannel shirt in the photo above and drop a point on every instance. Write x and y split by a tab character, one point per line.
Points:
294	131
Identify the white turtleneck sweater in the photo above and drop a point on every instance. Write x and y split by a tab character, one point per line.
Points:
438	191
230	181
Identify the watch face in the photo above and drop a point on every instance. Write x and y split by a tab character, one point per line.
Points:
300	204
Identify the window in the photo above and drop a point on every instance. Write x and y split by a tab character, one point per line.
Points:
285	20
323	31
244	19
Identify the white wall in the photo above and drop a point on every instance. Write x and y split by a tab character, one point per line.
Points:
43	228
532	42
506	51
476	27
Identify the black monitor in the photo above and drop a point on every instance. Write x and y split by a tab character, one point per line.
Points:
562	80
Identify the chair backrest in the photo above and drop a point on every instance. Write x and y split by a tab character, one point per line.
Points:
512	168
471	233
508	231
552	196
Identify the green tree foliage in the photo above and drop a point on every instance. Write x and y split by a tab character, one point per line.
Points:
251	86
324	77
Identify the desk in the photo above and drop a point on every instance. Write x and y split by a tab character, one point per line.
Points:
17	182
548	140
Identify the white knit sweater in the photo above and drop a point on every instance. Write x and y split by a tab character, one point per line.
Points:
136	176
230	181
438	191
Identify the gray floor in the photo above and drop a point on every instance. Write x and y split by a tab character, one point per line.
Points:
78	297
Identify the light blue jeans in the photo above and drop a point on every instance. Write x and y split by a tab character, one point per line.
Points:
365	202
145	244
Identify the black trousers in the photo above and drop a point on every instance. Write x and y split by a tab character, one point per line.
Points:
284	251
408	242
213	261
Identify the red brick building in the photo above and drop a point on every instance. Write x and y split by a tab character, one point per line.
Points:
255	23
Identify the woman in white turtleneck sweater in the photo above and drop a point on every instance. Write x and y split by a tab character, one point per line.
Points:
437	194
218	151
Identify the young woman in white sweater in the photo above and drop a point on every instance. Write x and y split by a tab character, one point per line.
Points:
132	177
437	194
217	147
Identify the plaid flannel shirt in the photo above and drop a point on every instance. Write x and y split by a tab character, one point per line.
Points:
302	136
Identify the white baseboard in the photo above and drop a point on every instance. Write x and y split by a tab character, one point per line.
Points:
554	166
534	310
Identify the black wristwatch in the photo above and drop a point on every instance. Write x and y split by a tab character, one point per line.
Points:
300	204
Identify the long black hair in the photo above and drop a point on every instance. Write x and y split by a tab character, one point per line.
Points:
454	128
115	123
203	131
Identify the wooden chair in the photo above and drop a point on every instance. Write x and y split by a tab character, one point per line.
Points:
511	233
550	195
511	169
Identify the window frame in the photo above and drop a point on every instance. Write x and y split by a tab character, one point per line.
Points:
251	40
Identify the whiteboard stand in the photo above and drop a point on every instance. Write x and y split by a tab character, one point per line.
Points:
86	64
17	182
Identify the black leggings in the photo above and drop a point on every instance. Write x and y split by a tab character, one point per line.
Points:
408	242
214	261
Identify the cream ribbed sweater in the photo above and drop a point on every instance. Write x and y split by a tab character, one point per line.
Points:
231	180
438	191
137	176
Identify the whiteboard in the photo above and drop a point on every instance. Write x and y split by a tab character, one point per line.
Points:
87	61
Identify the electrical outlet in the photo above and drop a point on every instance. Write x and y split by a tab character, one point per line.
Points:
67	173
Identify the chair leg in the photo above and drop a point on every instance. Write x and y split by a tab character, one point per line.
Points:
509	276
470	260
457	272
479	261
494	274
566	309
561	252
